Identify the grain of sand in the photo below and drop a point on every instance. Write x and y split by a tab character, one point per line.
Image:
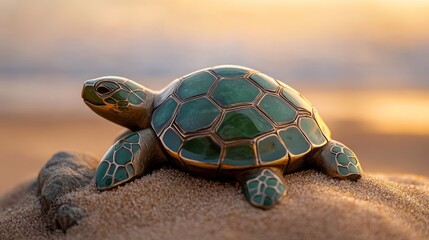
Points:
169	204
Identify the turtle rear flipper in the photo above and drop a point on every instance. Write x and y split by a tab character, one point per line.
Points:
263	187
338	161
131	156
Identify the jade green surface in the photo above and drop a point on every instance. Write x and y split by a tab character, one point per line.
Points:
312	131
197	114
172	140
344	159
163	114
116	166
265	81
271	149
196	84
294	141
243	124
242	155
296	99
235	91
92	97
201	149
264	188
277	109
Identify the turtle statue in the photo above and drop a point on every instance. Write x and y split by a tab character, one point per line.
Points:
224	122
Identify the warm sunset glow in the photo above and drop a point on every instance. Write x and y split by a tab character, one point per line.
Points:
391	112
399	112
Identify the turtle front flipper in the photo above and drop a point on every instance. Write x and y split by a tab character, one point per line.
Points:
338	161
131	156
263	187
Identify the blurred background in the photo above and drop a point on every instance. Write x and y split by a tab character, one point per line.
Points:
364	64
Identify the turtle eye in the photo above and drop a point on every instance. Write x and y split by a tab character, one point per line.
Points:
103	90
106	87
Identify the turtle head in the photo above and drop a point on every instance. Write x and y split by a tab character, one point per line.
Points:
119	100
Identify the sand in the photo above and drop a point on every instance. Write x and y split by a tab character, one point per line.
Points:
169	204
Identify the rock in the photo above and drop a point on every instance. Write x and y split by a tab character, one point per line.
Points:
62	174
68	215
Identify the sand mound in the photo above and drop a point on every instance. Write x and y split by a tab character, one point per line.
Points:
169	204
